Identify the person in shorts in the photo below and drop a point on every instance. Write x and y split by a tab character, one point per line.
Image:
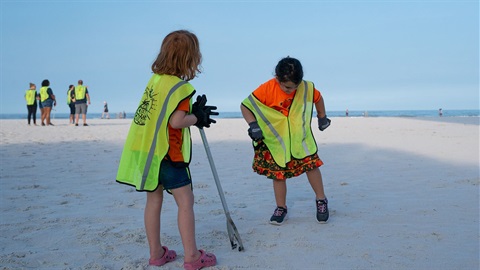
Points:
71	103
82	100
158	148
48	100
105	111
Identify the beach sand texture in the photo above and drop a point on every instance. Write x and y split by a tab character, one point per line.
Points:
403	194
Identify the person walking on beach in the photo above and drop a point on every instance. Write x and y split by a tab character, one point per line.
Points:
279	114
71	103
31	99
157	152
81	99
105	111
48	101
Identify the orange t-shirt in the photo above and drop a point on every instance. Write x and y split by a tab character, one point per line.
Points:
175	136
270	94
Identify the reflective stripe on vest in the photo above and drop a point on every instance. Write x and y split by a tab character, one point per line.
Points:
148	141
80	92
30	96
287	136
304	123
43	93
160	119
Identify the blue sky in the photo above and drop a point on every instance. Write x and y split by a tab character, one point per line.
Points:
362	55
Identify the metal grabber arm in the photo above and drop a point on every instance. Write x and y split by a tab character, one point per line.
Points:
231	228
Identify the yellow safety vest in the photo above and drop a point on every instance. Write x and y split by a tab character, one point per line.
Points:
30	96
147	142
43	93
69	96
287	136
80	92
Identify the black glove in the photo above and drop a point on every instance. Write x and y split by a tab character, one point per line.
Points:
323	123
254	131
197	109
209	110
203	112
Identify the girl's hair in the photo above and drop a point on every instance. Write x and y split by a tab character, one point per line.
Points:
45	83
32	84
70	86
179	55
289	70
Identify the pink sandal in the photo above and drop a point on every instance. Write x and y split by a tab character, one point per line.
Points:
205	260
168	256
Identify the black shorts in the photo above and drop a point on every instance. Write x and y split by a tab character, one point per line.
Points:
72	108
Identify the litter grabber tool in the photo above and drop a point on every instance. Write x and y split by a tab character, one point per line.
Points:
231	228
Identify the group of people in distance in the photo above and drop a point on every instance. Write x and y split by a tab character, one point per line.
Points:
157	151
46	100
78	100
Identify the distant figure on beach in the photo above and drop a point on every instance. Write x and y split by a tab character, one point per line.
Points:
31	99
122	115
48	101
440	112
105	111
346	113
40	106
168	167
81	99
282	150
71	103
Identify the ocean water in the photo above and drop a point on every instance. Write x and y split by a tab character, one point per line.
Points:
398	113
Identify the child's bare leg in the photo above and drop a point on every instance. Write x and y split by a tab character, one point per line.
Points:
153	209
186	221
315	178
280	191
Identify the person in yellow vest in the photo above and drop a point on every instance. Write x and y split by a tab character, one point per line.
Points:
279	114
71	103
158	149
48	101
81	99
31	99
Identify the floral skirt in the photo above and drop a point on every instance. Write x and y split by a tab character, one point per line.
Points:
264	164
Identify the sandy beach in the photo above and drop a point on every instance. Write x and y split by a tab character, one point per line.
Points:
403	194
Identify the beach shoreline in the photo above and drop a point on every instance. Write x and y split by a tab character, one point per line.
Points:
403	193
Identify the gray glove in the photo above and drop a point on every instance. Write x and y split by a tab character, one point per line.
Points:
323	123
254	131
